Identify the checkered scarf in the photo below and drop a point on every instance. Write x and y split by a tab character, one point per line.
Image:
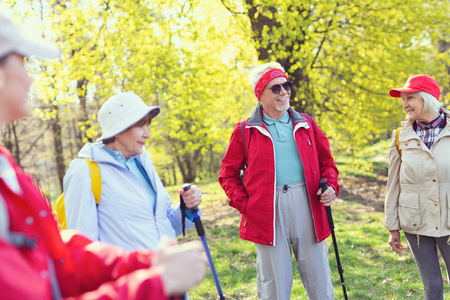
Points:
428	132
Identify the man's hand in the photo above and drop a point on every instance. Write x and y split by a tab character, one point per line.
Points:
191	197
328	197
180	267
395	241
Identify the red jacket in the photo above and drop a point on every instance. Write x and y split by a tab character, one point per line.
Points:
256	201
84	269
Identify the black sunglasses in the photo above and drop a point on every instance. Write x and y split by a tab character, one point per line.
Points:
276	88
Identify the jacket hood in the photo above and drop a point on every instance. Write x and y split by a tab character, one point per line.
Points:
257	118
94	152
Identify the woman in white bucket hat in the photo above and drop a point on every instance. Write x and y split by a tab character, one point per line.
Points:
135	210
39	263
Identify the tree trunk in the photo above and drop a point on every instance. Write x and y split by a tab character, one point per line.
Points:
11	141
57	142
298	76
188	165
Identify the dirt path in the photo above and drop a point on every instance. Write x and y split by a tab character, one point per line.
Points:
367	191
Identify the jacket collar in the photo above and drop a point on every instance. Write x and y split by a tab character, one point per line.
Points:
95	152
257	117
409	133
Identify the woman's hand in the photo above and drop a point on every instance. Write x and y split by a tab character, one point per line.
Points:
328	197
180	267
192	197
394	240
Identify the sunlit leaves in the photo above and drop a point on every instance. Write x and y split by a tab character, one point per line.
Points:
346	55
174	54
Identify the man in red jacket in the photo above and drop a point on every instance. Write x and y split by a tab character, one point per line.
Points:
287	154
35	261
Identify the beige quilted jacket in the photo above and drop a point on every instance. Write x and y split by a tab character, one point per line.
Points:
418	187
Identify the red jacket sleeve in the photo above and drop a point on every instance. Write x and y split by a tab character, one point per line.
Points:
327	166
229	176
18	279
108	272
102	273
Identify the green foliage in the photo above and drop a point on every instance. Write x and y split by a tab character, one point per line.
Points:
344	56
370	161
171	53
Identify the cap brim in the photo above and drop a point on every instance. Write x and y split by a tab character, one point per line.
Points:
29	48
397	92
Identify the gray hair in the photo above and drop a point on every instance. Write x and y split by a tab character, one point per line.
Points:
259	71
430	103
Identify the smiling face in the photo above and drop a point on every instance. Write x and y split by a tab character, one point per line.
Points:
274	105
14	85
413	106
131	141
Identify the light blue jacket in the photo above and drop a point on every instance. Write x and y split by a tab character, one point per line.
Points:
124	216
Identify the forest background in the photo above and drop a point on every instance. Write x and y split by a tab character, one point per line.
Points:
192	58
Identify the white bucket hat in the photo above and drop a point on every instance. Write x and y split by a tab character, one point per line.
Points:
12	41
122	111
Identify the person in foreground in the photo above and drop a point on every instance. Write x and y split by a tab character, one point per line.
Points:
36	261
418	185
135	210
287	154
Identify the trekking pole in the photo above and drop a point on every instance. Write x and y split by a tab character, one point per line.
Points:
323	188
201	234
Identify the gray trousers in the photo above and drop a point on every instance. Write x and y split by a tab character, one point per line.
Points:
294	227
426	257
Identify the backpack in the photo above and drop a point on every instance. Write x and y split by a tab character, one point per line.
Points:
96	190
397	144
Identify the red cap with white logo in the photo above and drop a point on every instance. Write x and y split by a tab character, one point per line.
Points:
418	83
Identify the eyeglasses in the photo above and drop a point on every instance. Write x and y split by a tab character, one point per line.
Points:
276	88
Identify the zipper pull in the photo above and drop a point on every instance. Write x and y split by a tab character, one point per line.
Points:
308	142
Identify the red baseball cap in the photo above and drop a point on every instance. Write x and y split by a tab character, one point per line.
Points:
417	83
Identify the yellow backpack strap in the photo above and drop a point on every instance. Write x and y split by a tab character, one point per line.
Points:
95	178
397	144
60	208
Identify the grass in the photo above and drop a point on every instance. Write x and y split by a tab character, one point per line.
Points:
371	269
369	162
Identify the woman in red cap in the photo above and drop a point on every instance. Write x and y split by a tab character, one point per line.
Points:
418	186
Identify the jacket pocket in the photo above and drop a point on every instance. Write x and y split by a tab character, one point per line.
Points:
408	211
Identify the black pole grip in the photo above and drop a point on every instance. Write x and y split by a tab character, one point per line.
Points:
323	187
186	187
197	221
323	184
199	226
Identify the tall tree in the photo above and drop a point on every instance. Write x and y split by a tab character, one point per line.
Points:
171	53
343	56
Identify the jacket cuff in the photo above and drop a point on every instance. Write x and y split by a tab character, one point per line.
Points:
393	227
241	205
